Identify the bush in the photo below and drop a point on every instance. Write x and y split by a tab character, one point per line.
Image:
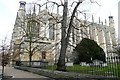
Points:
88	50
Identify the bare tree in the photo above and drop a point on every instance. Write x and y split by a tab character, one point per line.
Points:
67	23
29	34
5	54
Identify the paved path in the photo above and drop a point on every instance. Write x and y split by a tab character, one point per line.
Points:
10	71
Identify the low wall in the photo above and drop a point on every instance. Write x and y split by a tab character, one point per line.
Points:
33	63
59	75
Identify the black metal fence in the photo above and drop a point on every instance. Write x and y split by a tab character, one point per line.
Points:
110	68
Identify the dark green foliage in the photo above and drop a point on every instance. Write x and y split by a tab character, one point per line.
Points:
88	49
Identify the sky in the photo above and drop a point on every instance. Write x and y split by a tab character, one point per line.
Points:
9	8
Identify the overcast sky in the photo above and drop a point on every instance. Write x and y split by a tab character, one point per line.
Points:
9	8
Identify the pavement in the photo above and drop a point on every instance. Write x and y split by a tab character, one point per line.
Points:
15	73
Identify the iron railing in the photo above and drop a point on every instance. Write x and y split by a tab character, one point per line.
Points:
110	68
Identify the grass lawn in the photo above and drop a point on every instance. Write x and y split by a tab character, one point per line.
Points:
111	70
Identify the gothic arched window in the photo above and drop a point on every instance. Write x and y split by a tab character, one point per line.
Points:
33	28
51	30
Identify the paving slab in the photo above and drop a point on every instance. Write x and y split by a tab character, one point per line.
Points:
15	73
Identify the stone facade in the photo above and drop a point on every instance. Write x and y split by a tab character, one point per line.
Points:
46	35
118	23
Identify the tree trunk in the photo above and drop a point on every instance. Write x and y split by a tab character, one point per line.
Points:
30	59
30	51
30	43
61	61
65	38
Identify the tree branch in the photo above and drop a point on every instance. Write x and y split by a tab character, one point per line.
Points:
71	21
95	2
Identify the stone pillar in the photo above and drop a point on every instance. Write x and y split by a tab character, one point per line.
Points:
93	30
108	41
84	29
78	33
112	35
101	36
22	5
112	31
21	11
